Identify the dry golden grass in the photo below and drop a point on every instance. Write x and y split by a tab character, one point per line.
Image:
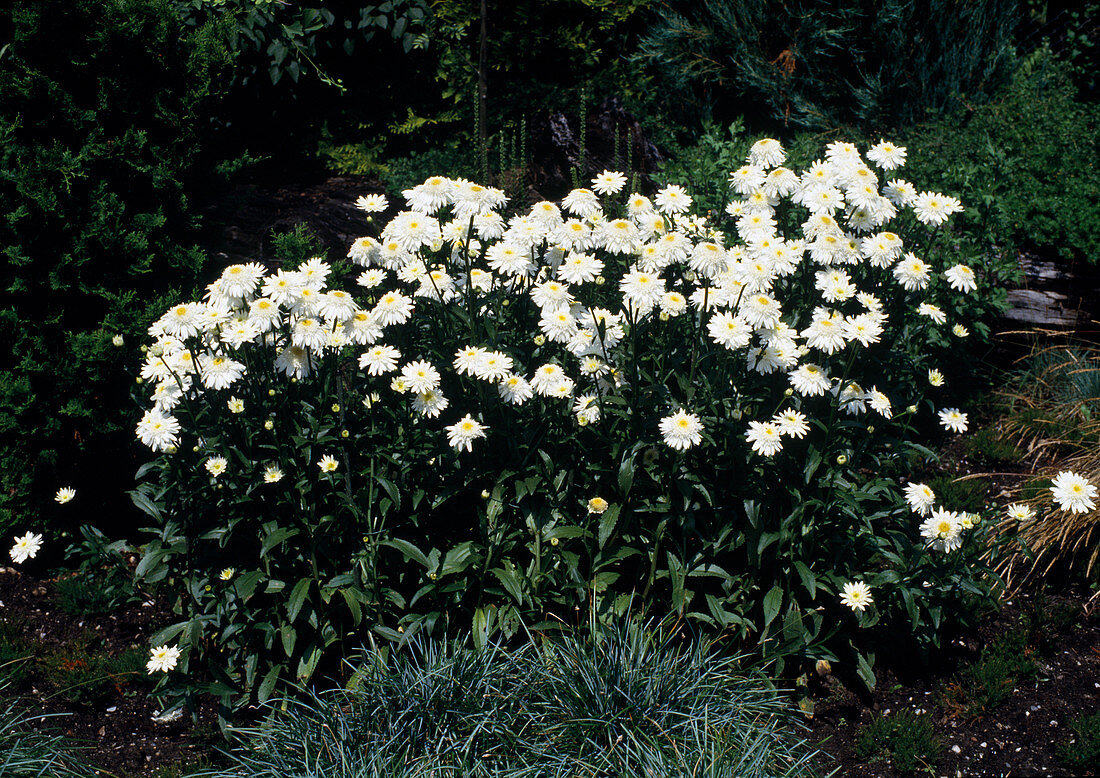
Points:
1054	419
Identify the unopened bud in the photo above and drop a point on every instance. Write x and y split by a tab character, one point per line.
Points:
842	459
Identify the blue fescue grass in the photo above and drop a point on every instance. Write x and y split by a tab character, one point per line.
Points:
621	701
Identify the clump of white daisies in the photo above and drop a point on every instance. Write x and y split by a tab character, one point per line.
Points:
454	247
585	286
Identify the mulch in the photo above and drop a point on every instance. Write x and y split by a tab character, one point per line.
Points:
116	731
1018	738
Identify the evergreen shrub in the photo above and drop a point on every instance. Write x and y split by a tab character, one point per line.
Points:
103	109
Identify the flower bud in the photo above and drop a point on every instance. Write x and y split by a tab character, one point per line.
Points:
663	316
344	433
870	429
554	541
144	348
195	449
842	459
505	302
539	339
139	380
270	392
117	340
485	494
269	425
911	409
600	280
336	407
788	392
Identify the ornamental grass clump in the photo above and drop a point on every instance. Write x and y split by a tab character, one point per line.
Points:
615	701
418	444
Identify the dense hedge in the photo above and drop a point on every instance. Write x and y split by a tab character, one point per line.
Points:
103	107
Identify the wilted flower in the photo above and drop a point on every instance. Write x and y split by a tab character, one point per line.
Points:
597	505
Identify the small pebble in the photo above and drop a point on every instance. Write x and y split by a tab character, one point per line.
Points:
112	709
955	749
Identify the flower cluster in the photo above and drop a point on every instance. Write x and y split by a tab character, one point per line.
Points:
453	246
647	342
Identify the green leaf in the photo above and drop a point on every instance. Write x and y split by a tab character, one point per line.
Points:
289	636
676	573
457	559
276	537
809	580
145	505
793	629
865	671
813	462
147	566
510	580
608	521
246	584
772	602
482	626
165	636
408	549
626	474
267	686
353	605
308	664
297	598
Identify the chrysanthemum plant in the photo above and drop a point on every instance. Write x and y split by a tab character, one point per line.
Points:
603	403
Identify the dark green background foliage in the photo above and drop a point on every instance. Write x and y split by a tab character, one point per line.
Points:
1024	164
101	107
349	70
823	64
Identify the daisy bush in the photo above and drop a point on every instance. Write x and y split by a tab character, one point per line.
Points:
488	419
